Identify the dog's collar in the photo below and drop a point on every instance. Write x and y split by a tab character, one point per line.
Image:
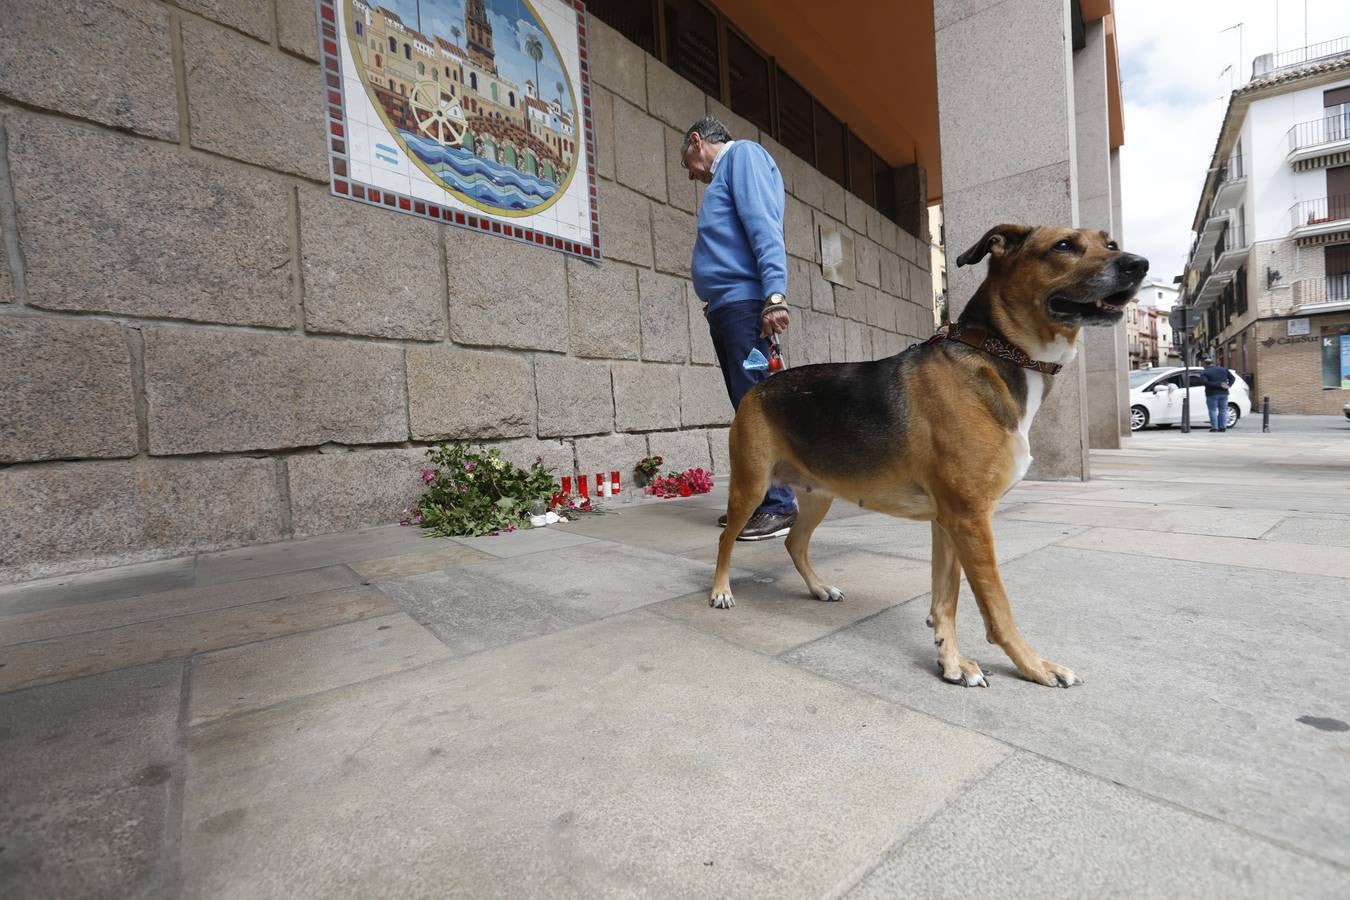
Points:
994	346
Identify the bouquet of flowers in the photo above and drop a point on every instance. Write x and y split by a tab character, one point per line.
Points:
681	484
477	492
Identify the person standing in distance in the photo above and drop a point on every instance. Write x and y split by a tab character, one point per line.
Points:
740	273
1217	382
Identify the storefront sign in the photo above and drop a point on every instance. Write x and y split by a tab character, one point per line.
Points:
1297	326
1304	339
475	113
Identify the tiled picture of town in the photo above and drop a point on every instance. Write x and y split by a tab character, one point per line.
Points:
475	91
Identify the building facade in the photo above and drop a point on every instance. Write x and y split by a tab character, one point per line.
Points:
1269	268
204	348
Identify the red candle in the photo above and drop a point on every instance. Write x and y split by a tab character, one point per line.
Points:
581	487
567	484
614	482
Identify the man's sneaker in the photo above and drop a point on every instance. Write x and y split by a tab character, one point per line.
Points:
763	526
722	521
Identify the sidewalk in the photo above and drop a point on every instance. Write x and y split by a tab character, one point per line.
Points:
558	713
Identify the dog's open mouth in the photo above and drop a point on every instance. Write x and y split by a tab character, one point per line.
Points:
1110	307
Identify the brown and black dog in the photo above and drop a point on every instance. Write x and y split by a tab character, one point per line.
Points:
938	432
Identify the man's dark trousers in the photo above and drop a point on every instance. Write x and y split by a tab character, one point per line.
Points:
735	332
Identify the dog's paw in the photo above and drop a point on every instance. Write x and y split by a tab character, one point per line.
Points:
827	594
721	600
966	673
1054	675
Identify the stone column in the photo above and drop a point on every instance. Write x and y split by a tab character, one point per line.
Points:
1006	111
1122	342
1105	369
911	200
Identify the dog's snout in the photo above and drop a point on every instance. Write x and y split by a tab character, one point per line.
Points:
1132	266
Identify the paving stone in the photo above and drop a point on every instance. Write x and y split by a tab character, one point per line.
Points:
616	62
602	116
603	310
469	394
247	101
339	491
1320	530
640	158
905	537
703	397
119	582
1114	843
1178	655
259	675
87	43
775	612
1156	520
646	396
1239	552
348	249
701	350
672	98
674	234
65	390
302	554
524	542
658	525
372	764
575	396
625	225
85	801
681	449
297	27
663	317
212	391
682	191
445	556
159	233
78	516
609	452
69	619
498	288
92	652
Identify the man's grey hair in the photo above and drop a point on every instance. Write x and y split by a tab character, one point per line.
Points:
710	129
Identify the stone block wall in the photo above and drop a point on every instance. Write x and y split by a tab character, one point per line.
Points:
202	348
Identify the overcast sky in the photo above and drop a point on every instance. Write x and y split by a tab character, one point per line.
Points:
1171	57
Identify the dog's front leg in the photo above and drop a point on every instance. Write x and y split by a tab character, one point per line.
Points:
973	535
942	618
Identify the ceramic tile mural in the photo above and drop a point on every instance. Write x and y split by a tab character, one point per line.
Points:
471	112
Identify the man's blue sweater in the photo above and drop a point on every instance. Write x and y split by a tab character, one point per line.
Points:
739	253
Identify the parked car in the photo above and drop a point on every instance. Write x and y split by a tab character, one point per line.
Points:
1347	410
1156	398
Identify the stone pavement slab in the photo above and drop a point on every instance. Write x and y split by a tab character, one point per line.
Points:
1035	828
1327	531
1265	554
623	757
90	652
1196	678
510	599
86	771
264	673
774	612
523	543
904	537
1157	519
67	619
91	587
438	554
310	553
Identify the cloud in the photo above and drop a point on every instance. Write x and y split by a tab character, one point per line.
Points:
1173	57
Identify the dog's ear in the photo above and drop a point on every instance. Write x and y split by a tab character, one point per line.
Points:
997	240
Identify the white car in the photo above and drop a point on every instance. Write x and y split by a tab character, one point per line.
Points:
1156	396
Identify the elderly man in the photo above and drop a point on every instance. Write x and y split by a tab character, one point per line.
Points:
740	274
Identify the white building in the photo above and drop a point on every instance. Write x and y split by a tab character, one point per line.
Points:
1270	265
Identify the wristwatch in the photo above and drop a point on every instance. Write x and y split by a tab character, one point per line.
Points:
775	299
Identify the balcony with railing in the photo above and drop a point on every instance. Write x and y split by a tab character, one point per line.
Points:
1230	184
1320	216
1321	142
1273	63
1313	293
